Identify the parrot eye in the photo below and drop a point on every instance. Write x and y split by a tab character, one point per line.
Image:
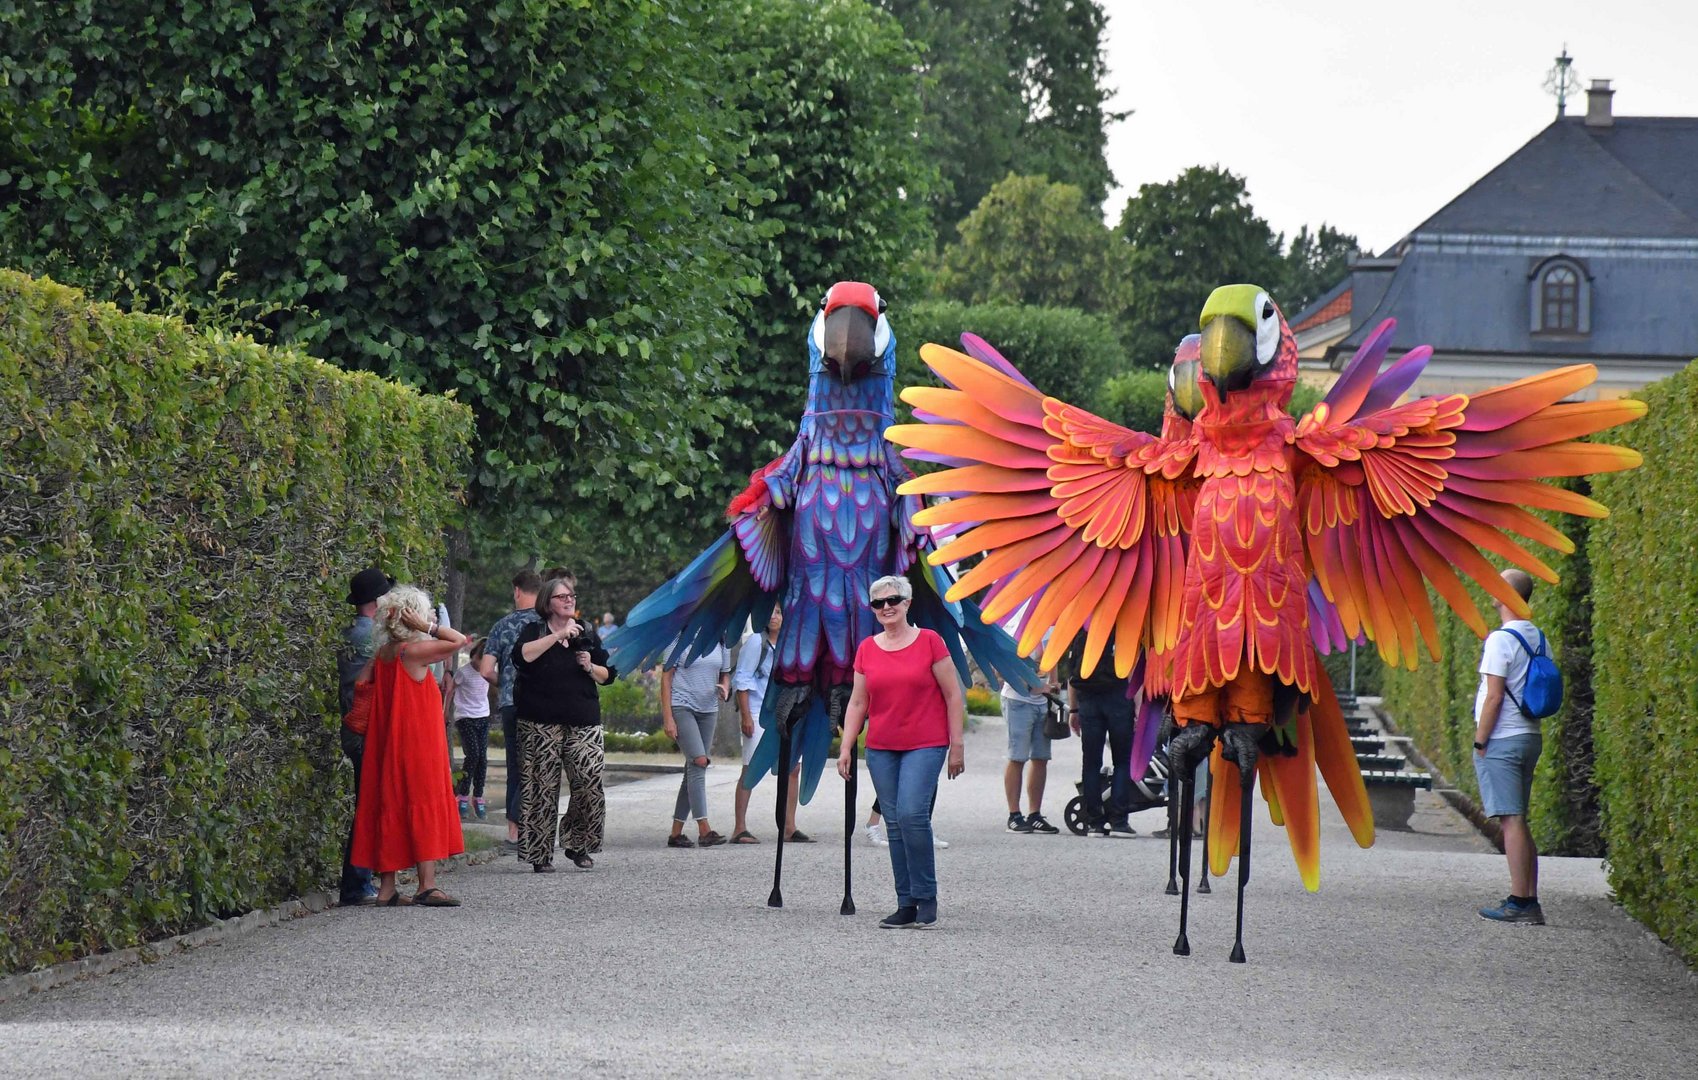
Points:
881	335
817	333
1267	330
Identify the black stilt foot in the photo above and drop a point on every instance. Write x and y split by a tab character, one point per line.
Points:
776	899
1237	956
848	907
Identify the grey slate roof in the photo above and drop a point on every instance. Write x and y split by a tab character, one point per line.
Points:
1636	178
1622	200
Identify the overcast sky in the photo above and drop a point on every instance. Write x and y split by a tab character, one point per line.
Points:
1366	115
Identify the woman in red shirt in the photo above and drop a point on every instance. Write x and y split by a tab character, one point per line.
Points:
908	693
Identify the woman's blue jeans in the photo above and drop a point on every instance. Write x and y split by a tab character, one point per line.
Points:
905	781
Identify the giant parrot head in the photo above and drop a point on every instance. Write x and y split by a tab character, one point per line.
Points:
1247	349
851	338
1184	399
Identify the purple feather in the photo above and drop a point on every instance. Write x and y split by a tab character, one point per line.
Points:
1347	393
981	350
1396	380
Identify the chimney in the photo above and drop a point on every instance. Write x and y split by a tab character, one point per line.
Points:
1598	97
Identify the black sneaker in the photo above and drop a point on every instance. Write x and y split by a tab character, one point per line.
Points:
925	914
1036	823
1017	822
902	916
1123	827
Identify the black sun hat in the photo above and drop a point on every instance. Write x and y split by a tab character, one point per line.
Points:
367	585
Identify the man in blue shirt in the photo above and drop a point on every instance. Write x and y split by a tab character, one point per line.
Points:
748	684
498	663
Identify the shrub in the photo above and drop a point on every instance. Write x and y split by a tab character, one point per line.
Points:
1065	353
1645	655
178	520
983	702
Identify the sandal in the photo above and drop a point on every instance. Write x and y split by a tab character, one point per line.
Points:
580	860
745	837
798	837
434	898
395	900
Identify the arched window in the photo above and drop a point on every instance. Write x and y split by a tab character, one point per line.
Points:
1559	300
1561	297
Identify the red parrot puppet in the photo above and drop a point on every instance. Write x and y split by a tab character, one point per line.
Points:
1209	551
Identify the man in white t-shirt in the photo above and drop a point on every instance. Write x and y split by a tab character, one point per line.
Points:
1506	751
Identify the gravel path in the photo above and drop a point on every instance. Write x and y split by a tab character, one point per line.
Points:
1052	958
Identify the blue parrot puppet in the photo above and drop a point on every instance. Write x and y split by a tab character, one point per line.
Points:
814	529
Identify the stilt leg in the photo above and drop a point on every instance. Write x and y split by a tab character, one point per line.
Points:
777	897
1172	835
1203	876
1241	743
1182	944
849	785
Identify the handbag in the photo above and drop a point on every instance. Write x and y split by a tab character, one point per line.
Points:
1055	721
358	716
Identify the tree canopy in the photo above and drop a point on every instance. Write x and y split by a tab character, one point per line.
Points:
1033	242
1011	86
539	207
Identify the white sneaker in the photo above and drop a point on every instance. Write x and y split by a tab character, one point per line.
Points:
875	833
939	843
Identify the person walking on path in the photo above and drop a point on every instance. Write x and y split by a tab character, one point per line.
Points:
748	688
907	694
497	666
468	690
1507	745
406	812
1101	712
561	664
1028	754
364	589
690	693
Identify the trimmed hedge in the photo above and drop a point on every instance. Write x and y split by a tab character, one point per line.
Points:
1434	704
1645	647
1065	353
179	515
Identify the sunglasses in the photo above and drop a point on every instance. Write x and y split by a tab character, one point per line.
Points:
884	602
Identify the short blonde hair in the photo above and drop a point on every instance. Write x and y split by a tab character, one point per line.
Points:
903	587
388	627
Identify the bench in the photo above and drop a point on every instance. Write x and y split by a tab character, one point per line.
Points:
1391	795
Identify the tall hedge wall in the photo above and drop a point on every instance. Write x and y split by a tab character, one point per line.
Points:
1434	704
178	519
1645	642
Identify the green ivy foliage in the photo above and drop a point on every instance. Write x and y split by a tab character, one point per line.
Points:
1645	653
537	205
179	515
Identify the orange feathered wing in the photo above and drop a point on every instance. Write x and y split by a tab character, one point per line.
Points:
1079	518
1410	495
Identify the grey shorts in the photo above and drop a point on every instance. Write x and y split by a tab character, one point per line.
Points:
1505	773
1026	739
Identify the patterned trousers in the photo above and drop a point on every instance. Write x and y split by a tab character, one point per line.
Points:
551	750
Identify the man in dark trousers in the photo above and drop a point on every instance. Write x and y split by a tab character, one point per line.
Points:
1102	711
352	656
497	664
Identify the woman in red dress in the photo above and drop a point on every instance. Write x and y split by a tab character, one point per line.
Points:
407	814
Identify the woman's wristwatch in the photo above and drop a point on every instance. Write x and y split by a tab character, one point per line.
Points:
1479	745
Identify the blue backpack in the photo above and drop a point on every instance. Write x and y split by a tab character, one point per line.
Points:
1541	692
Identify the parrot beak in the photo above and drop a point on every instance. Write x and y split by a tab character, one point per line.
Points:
1187	395
849	342
1228	353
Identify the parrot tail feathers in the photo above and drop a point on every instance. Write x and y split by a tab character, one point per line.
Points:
811	745
1335	755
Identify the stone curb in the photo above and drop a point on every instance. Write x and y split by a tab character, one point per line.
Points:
219	932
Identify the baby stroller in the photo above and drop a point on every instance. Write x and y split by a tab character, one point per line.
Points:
1144	794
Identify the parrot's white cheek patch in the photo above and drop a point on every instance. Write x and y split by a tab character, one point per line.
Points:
1267	330
881	335
817	332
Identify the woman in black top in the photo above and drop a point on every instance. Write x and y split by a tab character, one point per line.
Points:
560	663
